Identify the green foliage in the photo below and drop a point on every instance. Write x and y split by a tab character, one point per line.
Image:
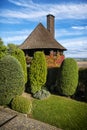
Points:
69	77
38	72
42	94
11	79
11	48
21	104
18	54
3	49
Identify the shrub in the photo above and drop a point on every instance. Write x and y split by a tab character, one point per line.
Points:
19	54
41	94
69	77
3	49
11	79
38	72
21	104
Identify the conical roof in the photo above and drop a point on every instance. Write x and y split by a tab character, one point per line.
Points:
41	38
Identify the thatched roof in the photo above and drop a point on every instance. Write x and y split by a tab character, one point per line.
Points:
41	38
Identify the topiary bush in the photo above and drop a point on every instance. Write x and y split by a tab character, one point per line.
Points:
21	104
69	77
19	54
11	79
38	72
42	94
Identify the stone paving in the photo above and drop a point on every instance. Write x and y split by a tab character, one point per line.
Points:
12	120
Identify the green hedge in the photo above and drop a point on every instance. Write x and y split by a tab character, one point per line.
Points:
11	79
38	72
69	77
21	104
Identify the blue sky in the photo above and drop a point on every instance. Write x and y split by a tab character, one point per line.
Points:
18	18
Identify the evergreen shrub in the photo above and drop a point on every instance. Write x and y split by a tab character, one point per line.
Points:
69	77
38	72
21	104
11	79
19	54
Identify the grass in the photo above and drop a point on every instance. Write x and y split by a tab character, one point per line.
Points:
61	112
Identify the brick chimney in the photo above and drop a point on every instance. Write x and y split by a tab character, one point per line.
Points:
50	24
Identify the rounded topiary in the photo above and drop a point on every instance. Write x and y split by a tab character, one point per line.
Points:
11	79
38	72
69	77
19	54
21	104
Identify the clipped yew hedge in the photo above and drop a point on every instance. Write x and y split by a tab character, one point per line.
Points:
11	79
69	77
38	72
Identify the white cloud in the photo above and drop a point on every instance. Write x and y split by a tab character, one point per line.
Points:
9	21
76	47
79	27
75	42
15	39
32	11
21	3
15	36
67	32
75	54
18	32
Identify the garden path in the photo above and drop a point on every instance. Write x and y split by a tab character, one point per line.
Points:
12	120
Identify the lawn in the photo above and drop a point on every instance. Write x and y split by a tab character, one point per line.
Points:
61	112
